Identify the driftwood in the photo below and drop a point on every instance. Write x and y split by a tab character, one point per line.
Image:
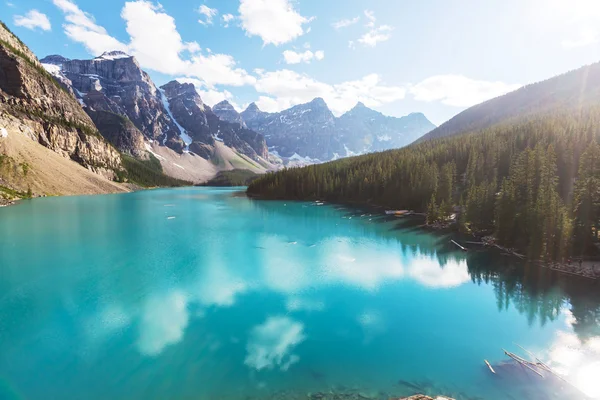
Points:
529	365
489	366
459	246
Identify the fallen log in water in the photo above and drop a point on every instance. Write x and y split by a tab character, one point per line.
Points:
459	246
531	366
489	366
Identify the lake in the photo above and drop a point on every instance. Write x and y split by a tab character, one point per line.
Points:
201	293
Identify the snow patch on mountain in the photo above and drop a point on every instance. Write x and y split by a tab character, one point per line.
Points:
183	133
113	55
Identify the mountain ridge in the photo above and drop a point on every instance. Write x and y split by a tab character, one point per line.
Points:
359	130
570	90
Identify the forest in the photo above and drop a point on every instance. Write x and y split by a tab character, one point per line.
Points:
533	182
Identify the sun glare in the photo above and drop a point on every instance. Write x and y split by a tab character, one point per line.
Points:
587	379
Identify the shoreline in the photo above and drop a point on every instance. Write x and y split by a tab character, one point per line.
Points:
485	242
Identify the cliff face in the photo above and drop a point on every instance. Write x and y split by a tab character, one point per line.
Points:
120	131
226	112
114	82
204	127
52	116
306	130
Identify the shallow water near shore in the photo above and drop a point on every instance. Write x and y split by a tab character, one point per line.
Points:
200	293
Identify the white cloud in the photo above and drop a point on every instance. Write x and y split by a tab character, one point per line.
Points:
343	23
207	13
271	343
285	88
81	27
586	37
292	57
375	34
210	96
155	42
9	4
218	69
33	20
458	90
227	18
274	21
370	15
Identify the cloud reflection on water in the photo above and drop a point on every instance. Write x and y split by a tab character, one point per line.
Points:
270	344
289	270
577	360
163	321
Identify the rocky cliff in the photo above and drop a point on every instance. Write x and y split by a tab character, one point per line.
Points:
46	112
226	112
204	127
311	133
306	130
114	82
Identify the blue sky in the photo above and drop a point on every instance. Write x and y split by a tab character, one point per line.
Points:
432	56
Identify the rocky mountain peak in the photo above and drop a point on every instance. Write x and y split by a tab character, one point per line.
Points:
252	107
253	113
113	55
223	106
360	110
187	91
316	111
227	112
318	102
54	59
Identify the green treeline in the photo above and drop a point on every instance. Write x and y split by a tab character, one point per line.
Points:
235	177
534	183
146	173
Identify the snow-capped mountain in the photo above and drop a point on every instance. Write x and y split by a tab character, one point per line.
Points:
173	115
202	127
311	133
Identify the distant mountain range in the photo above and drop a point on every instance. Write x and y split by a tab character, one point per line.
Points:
175	116
570	91
312	133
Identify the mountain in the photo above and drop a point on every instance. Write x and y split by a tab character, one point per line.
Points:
171	122
48	144
114	82
570	91
311	132
307	130
225	111
369	130
203	127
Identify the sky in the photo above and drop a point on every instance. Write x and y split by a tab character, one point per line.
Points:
437	57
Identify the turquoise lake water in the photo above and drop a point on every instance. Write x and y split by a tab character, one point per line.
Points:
201	293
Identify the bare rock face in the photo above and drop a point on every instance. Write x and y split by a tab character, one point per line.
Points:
55	118
120	131
306	130
226	112
114	82
204	127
